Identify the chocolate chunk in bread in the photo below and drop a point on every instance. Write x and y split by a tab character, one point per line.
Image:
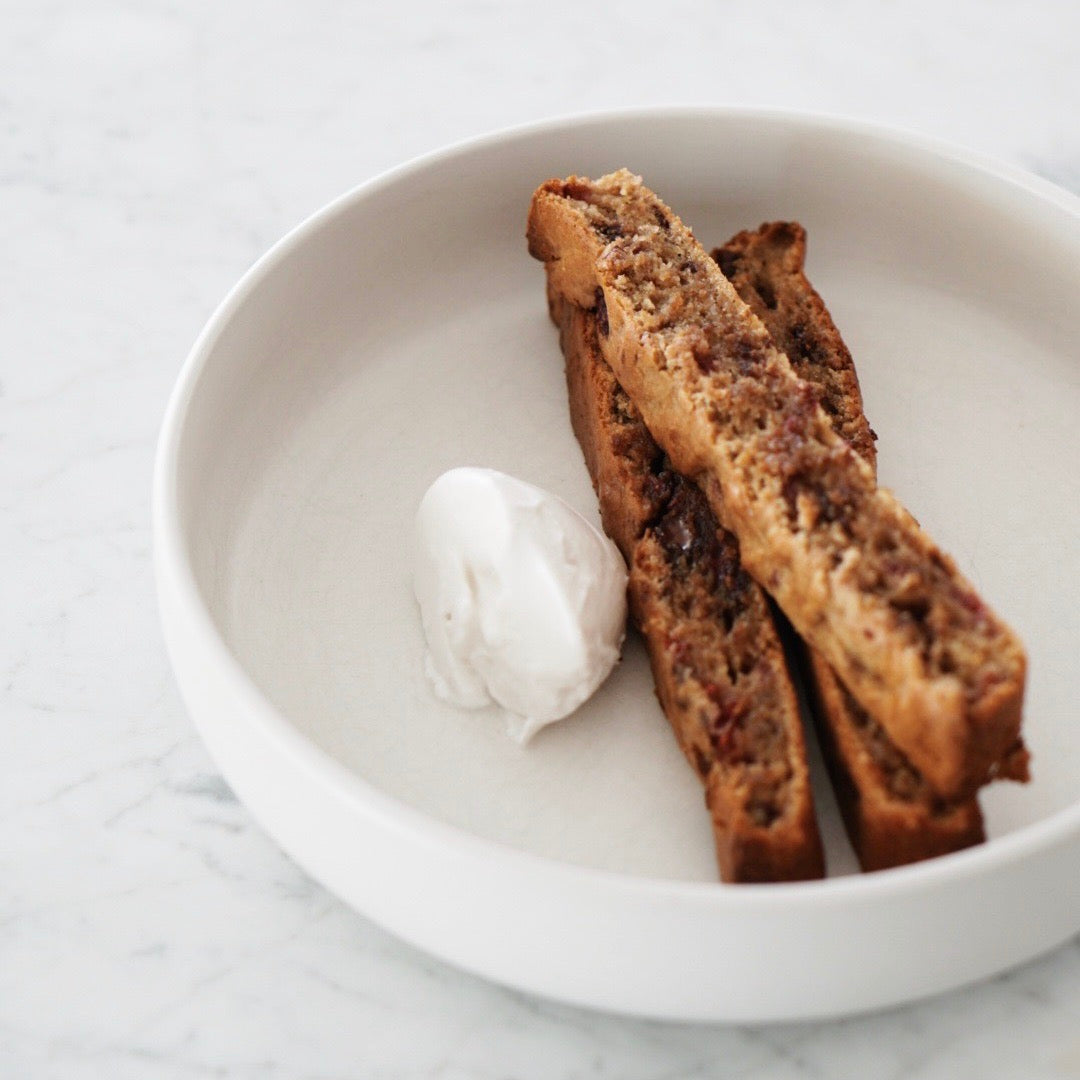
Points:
852	570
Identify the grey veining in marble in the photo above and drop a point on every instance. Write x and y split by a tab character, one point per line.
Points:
148	154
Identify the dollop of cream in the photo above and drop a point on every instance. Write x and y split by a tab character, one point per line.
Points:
523	601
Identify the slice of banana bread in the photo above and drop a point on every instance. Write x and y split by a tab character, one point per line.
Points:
890	814
717	660
851	569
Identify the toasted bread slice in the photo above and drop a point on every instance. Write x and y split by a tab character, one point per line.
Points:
852	570
717	660
891	815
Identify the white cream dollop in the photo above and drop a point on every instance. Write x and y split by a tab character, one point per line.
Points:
523	601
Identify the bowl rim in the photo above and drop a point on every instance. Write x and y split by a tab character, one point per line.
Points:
177	583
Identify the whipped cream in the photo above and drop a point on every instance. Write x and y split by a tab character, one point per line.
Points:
523	601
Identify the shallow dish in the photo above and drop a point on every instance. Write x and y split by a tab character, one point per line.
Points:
401	331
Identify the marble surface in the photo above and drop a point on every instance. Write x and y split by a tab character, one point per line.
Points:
150	152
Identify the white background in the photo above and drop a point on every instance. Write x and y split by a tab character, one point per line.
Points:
149	152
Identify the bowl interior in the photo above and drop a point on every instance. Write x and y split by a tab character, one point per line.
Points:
404	331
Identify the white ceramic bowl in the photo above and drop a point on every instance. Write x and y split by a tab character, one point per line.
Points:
401	331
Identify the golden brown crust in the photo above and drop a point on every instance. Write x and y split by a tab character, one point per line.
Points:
891	815
716	657
849	566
